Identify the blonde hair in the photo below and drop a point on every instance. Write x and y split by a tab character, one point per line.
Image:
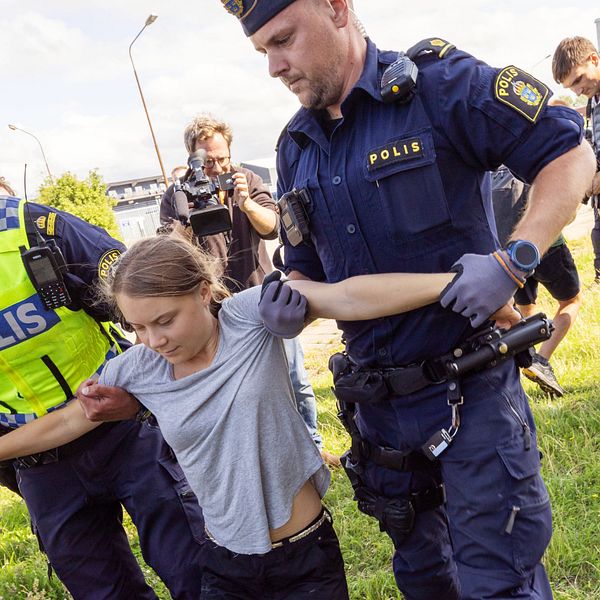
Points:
570	53
166	265
205	126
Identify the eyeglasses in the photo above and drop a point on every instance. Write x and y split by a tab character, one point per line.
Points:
222	160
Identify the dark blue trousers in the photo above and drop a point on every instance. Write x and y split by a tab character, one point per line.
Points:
487	541
311	568
75	506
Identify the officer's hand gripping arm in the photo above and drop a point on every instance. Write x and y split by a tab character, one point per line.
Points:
283	310
106	403
483	284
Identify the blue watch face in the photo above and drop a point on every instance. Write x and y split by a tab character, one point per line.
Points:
524	254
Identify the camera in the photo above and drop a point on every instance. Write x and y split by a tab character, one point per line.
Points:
208	216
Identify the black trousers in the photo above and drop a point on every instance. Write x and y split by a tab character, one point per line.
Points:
308	568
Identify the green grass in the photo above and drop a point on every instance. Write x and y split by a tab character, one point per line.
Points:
569	437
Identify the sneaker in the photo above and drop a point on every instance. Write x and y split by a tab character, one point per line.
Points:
542	373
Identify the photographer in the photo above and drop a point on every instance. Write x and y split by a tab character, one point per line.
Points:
250	204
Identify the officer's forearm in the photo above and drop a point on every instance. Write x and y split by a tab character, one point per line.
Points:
555	195
372	296
47	432
264	220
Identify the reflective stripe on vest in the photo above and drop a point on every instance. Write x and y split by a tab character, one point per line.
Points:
44	355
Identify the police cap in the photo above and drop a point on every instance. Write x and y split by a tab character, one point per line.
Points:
253	14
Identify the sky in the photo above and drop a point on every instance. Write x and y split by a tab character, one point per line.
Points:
66	76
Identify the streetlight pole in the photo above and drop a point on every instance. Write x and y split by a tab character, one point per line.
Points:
539	62
149	21
15	128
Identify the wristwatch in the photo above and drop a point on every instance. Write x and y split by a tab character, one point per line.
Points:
524	255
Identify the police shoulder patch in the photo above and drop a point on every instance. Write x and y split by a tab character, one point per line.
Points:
107	260
521	91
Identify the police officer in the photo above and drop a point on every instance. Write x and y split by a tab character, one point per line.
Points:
75	493
392	170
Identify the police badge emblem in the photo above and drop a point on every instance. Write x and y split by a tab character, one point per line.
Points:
521	91
235	7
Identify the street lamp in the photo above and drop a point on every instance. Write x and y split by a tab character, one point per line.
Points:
15	128
539	62
149	21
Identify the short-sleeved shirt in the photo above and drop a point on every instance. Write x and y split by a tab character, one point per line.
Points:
406	187
233	426
238	251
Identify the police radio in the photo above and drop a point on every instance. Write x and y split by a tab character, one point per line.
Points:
45	266
399	80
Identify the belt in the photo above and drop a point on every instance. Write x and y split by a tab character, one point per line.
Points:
323	516
42	458
410	379
24	462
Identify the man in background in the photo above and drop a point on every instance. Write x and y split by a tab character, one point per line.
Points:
576	65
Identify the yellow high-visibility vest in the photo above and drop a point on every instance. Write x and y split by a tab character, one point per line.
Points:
44	354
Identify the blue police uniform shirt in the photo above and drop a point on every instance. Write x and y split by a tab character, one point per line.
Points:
88	250
404	187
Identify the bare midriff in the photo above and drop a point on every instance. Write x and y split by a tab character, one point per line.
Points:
305	509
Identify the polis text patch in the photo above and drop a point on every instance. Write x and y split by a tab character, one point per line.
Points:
394	152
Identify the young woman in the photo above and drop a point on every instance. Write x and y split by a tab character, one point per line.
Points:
217	382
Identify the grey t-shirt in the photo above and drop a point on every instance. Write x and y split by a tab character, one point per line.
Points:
233	426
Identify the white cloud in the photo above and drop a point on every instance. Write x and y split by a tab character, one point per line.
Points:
69	81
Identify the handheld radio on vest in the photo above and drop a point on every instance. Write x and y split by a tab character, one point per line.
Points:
45	266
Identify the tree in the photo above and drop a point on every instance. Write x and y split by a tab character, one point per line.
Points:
86	199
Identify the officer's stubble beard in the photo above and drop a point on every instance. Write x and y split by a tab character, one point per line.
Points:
325	89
